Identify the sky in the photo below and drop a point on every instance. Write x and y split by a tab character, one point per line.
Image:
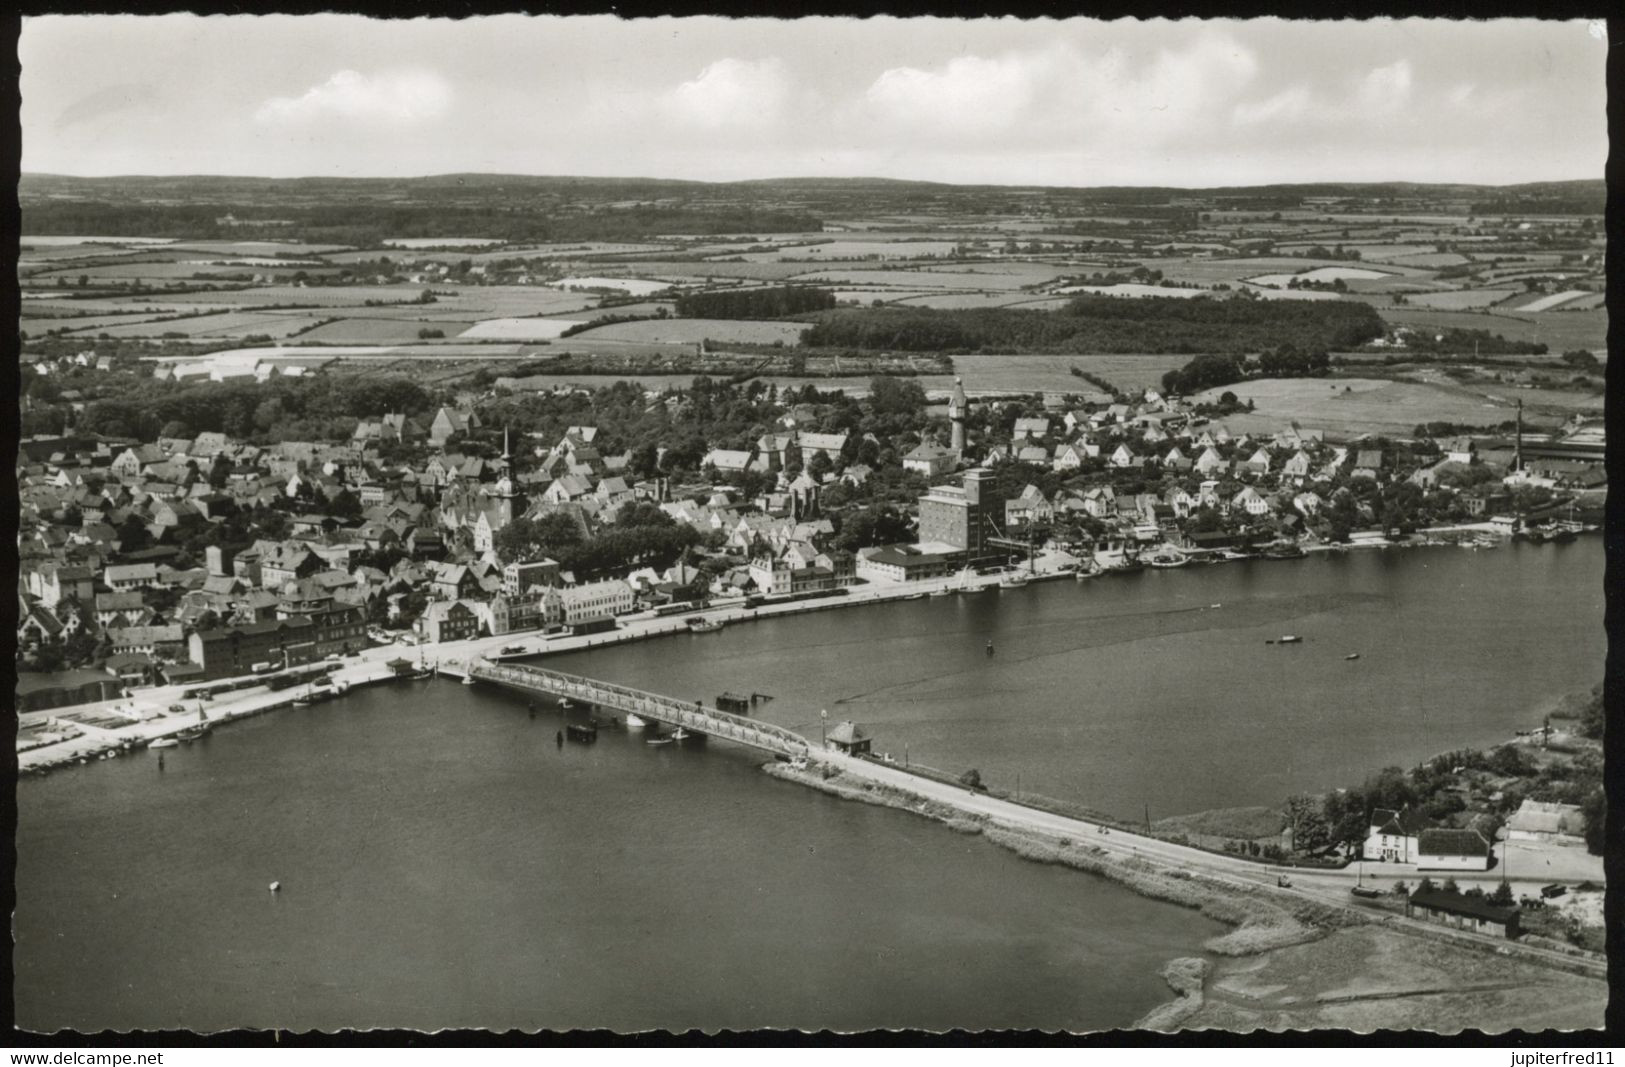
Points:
997	101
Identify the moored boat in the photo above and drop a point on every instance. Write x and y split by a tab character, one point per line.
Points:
1013	580
635	722
698	625
191	733
164	742
1289	639
586	734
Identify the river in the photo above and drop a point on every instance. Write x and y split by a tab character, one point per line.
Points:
446	864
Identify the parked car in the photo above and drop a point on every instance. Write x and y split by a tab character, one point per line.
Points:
1553	891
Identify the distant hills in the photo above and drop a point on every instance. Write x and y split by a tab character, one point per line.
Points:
228	187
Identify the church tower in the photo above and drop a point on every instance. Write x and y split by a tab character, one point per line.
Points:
503	493
956	415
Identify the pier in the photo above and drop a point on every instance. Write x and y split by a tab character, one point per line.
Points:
652	707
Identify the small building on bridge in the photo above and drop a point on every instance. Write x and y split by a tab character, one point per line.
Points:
848	738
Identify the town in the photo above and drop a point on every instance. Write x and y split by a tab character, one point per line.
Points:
203	557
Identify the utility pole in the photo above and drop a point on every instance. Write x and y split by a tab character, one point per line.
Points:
823	722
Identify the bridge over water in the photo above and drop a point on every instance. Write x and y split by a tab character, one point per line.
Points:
652	707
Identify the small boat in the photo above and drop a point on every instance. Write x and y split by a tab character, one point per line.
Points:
423	675
1289	639
635	722
276	887
658	741
565	703
468	679
586	734
1352	656
164	742
1013	580
1215	605
192	733
705	626
941	592
990	648
680	734
915	596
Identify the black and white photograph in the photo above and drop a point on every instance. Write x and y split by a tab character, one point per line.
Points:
556	523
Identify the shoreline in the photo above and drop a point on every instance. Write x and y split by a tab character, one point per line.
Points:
1261	920
148	707
1265	922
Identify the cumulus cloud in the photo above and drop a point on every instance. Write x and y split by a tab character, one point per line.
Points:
1387	89
732	93
969	91
394	97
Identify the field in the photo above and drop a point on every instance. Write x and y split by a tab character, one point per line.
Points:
1134	289
1321	274
634	286
850	250
1546	303
379	331
517	329
1344	407
958	300
1366	978
1561	331
900	250
231	324
441	242
1460	299
916	279
692	331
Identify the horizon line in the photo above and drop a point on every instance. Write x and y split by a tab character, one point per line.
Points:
807	178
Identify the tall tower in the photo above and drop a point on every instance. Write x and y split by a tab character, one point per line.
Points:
503	491
1517	447
956	415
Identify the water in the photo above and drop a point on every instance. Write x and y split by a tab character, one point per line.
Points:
1131	691
445	864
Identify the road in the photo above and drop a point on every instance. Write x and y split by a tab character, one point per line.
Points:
1325	887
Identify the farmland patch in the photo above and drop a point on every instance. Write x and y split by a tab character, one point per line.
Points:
692	331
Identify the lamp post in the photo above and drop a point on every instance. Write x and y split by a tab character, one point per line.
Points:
823	723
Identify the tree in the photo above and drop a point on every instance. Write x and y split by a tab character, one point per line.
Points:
1594	810
971	779
1502	896
1307	817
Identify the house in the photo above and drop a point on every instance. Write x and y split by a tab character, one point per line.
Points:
1459	449
594	600
1071	457
518	577
1124	457
449	422
1452	850
1252	502
1393	835
148	639
1030	429
849	739
1462	911
1536	820
448	620
828	445
930	460
127	576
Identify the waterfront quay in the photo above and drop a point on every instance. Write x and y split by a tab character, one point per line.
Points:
104	729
